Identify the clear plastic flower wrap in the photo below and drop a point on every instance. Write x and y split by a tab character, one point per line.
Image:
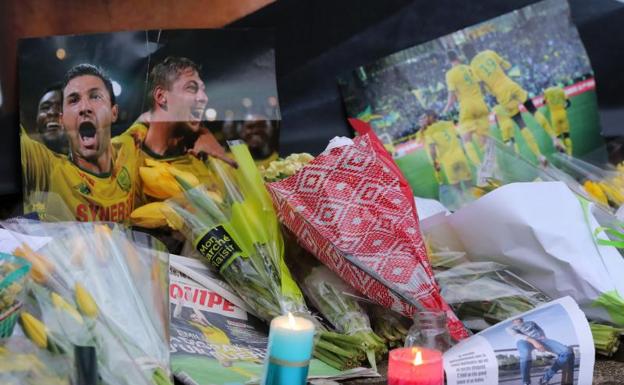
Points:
483	293
24	363
502	165
604	185
338	304
99	285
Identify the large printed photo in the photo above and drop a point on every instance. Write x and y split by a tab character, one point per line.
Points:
523	78
101	115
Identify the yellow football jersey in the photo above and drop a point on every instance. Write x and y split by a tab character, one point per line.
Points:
51	179
465	84
490	68
443	136
212	334
555	98
186	162
556	101
265	162
449	151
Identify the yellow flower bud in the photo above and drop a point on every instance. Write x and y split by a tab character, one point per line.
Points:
34	329
86	303
60	304
596	192
187	177
149	216
158	181
154	215
41	266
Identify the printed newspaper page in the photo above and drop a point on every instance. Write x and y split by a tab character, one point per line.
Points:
551	344
214	340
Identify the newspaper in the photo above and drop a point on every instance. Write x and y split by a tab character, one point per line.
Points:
215	339
551	344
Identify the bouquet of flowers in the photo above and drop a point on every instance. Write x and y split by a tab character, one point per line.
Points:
95	286
239	236
337	303
351	208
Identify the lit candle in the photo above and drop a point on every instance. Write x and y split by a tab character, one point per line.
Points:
290	348
415	366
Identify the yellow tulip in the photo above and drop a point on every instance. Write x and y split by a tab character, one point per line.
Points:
189	178
85	301
613	193
149	216
158	182
596	192
60	303
159	179
34	329
41	267
154	215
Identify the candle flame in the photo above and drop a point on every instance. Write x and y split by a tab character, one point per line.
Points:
418	359
291	321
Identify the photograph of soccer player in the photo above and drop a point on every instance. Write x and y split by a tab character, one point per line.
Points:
490	68
171	131
557	103
49	126
96	180
464	88
256	132
445	149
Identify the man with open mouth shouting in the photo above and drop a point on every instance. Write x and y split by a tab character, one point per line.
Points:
171	130
49	125
96	181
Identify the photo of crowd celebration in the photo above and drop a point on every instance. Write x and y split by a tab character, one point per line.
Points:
523	78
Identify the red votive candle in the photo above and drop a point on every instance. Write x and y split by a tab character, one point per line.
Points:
415	366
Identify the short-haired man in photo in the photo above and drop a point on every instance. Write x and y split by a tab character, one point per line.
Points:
171	131
48	123
96	179
256	131
530	336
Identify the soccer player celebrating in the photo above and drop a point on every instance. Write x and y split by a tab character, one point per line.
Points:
97	179
171	130
49	125
445	149
557	103
490	68
464	87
